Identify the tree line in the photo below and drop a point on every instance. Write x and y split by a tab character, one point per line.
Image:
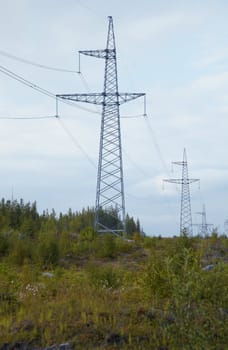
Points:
24	218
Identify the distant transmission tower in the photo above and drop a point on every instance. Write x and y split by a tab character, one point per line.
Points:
203	227
185	215
226	227
110	185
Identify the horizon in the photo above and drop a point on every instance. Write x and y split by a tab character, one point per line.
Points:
176	53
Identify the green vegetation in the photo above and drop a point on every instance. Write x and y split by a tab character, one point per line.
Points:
60	281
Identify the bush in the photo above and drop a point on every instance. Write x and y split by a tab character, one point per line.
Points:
109	246
4	244
103	276
21	249
48	251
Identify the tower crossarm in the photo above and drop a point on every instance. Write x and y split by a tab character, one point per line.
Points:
94	98
200	213
182	163
173	181
126	97
181	181
107	53
102	98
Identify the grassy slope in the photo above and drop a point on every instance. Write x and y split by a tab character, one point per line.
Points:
107	293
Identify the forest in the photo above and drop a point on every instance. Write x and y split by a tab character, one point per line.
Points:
63	283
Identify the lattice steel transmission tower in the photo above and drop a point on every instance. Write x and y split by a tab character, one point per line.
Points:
185	215
203	227
110	184
226	227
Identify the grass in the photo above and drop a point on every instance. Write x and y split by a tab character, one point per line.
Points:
107	293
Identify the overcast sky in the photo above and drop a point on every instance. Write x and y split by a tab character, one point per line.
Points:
174	51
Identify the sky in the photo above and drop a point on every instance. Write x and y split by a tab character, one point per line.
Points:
174	51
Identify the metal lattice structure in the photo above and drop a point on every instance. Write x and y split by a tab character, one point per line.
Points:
226	227
185	215
203	227
110	185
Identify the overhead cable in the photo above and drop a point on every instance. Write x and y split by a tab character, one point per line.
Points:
31	118
132	116
86	85
20	59
156	145
76	143
26	82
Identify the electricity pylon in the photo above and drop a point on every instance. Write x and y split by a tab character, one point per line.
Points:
203	227
110	185
185	215
226	227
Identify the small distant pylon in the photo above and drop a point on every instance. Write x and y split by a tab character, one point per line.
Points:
203	227
226	227
186	214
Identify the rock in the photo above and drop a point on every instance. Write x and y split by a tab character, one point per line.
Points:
7	297
20	346
52	347
208	267
27	325
223	312
4	346
151	315
115	339
65	346
14	346
170	318
27	346
48	274
144	339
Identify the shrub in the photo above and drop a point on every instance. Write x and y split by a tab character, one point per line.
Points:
4	244
109	246
103	276
21	249
48	250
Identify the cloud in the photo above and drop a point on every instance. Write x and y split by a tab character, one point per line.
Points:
161	26
215	57
174	52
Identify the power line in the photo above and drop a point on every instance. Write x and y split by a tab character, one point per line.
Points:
32	63
20	59
130	195
84	81
76	143
29	118
70	135
158	150
135	164
89	8
25	82
132	116
51	95
156	146
39	89
87	87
